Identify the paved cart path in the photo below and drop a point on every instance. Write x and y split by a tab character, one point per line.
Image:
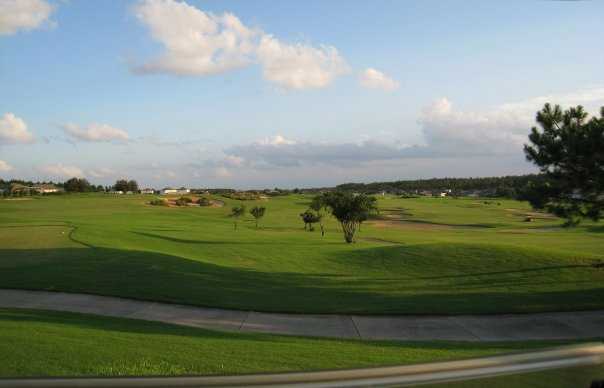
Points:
504	327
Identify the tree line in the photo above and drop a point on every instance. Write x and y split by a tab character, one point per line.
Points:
511	186
72	185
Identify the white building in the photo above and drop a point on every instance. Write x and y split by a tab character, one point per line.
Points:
46	189
170	191
147	191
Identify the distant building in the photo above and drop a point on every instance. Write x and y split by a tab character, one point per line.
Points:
171	191
46	189
118	192
147	191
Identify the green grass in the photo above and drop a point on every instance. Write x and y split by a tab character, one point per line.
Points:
41	343
426	256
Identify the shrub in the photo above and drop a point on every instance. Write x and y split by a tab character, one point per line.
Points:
203	201
159	202
183	201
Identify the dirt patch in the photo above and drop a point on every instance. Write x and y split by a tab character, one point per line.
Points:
172	202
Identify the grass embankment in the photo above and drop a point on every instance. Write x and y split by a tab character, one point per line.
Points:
41	343
423	256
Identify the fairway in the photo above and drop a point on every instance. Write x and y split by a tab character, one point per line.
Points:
419	256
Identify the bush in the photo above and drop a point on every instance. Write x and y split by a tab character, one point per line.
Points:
203	201
158	202
183	201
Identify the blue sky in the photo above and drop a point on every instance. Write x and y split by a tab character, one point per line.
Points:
312	93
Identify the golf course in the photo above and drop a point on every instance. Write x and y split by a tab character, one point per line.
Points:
416	256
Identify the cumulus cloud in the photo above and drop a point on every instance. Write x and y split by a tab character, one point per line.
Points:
448	133
201	43
375	79
24	15
95	133
5	167
59	170
500	130
299	66
13	130
196	42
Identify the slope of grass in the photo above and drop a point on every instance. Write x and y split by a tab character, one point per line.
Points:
421	256
41	343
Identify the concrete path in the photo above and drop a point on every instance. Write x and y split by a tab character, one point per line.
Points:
508	327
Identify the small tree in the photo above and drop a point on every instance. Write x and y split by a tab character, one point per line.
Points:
318	205
349	209
257	212
569	151
310	217
237	212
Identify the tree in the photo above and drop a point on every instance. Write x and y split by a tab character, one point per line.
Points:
77	185
257	212
237	212
318	206
125	185
310	217
569	151
132	186
349	209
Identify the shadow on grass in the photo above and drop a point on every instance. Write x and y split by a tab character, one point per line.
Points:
160	277
476	225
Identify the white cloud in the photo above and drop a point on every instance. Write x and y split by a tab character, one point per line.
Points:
59	170
300	66
449	133
101	172
201	43
278	151
25	15
5	167
13	130
276	141
196	42
375	79
95	133
500	130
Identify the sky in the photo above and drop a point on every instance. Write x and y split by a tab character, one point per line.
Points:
254	94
